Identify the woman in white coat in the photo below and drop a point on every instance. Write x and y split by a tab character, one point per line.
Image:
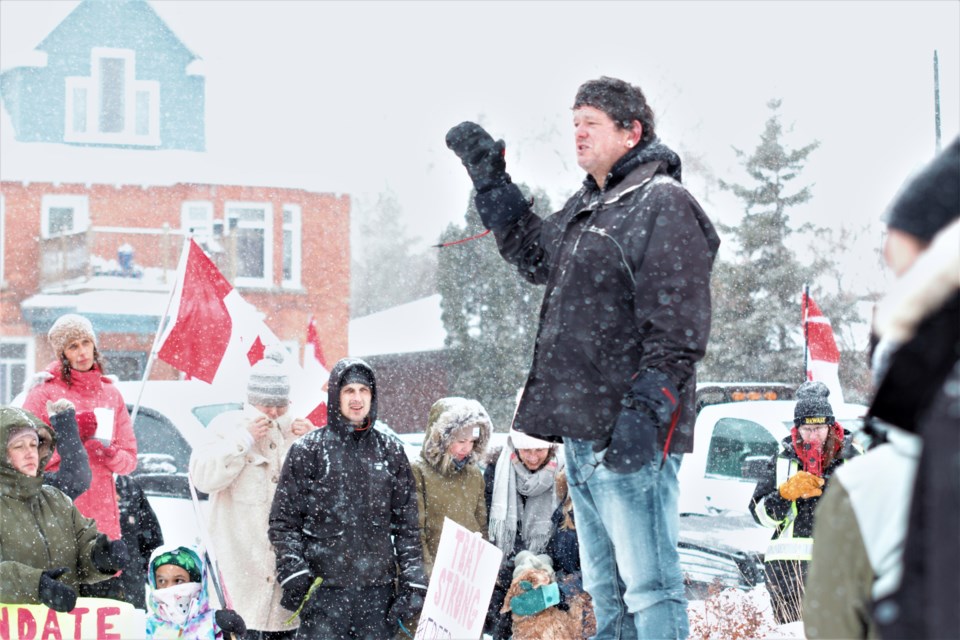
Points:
239	466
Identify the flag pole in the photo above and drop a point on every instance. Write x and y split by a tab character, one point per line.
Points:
804	311
152	356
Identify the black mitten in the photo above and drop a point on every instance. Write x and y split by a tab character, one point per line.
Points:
649	405
74	475
55	594
109	556
230	621
499	202
294	590
480	154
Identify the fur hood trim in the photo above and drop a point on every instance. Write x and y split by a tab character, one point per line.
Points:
932	279
447	416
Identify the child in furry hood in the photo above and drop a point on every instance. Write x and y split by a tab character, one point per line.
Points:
177	600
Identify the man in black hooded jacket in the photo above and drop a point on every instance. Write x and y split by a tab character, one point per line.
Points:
345	516
625	318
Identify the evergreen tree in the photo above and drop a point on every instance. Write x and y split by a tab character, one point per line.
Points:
490	314
756	296
386	271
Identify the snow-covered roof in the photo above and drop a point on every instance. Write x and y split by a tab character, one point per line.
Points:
407	328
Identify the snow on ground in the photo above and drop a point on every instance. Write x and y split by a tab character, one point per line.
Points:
733	614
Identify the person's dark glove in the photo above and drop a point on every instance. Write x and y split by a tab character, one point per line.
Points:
531	601
53	593
407	606
109	556
480	154
649	405
230	621
499	202
294	591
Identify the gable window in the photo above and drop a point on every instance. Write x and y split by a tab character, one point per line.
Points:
63	215
291	246
196	219
110	106
251	243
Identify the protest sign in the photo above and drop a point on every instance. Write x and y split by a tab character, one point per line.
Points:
464	573
98	618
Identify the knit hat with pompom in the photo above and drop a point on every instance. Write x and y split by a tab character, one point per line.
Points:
269	382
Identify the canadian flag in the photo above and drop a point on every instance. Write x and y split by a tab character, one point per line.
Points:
822	356
315	368
217	336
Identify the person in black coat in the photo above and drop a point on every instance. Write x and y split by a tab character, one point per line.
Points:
344	520
140	531
917	376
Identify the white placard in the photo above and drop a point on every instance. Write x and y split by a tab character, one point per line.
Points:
104	418
464	573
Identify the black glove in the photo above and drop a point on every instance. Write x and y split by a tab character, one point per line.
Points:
230	621
294	591
480	154
109	556
499	202
648	405
407	605
74	475
53	593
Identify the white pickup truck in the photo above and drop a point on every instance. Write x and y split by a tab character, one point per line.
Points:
731	441
719	540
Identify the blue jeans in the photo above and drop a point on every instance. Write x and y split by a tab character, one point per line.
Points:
627	525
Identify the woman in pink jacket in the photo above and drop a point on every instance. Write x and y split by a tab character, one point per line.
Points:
77	375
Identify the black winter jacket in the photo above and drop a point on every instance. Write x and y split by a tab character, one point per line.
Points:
345	508
627	275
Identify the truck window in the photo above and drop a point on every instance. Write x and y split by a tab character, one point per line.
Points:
734	442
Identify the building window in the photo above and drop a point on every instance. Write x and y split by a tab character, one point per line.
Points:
63	215
15	358
251	242
291	246
111	106
196	219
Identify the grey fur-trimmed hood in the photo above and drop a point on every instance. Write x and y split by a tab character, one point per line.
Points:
447	416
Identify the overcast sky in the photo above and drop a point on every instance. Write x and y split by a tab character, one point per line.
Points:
356	97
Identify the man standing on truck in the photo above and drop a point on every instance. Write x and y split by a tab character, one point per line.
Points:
625	318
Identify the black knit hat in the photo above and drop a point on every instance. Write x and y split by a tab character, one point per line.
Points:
356	374
812	404
931	200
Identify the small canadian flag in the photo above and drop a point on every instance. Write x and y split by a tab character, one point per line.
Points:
217	336
822	355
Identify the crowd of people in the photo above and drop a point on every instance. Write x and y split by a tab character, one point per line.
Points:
329	531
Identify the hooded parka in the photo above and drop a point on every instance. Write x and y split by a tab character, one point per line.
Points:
444	489
89	390
40	528
345	508
627	276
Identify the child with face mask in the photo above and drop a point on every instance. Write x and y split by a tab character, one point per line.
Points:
177	600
